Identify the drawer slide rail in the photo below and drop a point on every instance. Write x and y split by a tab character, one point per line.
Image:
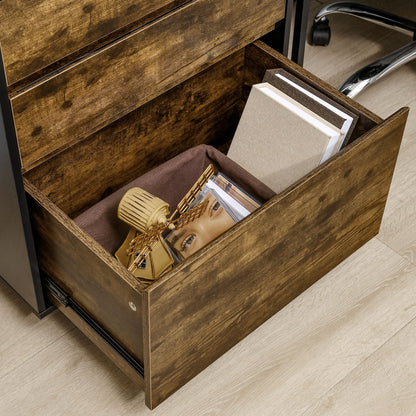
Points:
64	299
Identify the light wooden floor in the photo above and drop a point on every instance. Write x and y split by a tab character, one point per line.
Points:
347	346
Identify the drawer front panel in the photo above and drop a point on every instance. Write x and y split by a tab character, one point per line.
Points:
90	94
223	293
36	34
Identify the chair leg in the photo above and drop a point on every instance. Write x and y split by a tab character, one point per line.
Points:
320	33
368	13
378	69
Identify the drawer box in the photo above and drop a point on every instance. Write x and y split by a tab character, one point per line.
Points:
127	91
174	328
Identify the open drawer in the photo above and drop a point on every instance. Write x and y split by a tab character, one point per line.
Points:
164	334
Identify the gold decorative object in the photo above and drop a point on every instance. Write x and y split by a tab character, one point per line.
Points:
144	251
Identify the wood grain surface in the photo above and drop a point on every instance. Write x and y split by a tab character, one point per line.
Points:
203	109
336	349
394	379
93	278
316	224
305	351
38	34
88	95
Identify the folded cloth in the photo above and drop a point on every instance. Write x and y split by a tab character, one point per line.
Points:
170	182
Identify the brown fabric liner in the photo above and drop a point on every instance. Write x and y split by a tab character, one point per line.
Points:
170	182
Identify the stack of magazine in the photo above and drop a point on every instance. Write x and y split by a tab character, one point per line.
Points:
226	204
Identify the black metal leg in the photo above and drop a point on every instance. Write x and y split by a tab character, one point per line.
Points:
18	262
279	38
299	31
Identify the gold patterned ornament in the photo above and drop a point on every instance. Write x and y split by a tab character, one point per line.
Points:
144	251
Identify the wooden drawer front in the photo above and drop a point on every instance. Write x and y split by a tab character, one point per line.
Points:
37	34
86	96
234	285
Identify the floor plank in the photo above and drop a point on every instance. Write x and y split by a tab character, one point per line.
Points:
398	229
69	377
22	334
386	378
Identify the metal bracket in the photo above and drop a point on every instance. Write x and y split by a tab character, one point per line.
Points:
58	293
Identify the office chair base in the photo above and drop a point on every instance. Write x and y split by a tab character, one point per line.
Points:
320	35
368	13
378	69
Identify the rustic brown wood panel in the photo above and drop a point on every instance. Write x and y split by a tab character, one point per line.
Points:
68	106
36	34
222	293
93	278
260	57
200	110
120	362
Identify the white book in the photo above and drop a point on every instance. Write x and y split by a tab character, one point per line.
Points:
348	120
278	140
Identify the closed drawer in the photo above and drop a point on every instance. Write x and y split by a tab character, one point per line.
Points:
183	322
37	37
70	104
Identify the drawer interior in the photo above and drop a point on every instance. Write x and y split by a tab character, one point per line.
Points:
204	109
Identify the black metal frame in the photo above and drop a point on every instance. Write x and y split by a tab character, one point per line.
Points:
299	31
18	261
279	38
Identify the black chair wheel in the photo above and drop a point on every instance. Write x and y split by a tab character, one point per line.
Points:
320	33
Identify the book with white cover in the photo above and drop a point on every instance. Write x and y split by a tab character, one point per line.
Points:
278	140
313	99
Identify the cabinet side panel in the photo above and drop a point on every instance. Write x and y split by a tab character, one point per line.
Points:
18	263
87	273
230	287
